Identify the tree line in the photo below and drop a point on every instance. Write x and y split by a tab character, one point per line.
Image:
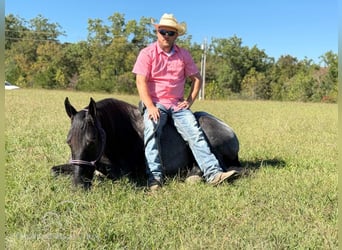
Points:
35	58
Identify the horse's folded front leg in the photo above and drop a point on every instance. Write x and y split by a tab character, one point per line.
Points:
64	169
106	169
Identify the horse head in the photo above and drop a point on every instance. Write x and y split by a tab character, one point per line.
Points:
86	139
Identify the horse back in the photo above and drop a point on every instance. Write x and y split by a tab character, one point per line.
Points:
221	138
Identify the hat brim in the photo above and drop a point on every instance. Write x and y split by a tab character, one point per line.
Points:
180	29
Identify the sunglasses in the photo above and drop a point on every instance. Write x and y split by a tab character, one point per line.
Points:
168	32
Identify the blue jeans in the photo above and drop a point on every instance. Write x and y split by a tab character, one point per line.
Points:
187	126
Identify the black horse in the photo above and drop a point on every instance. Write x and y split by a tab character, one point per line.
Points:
107	136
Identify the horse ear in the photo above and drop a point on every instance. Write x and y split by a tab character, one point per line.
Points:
92	107
70	110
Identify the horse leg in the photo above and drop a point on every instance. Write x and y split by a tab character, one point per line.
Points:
108	170
83	176
232	162
74	170
64	169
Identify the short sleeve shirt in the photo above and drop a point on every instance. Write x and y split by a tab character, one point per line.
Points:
165	73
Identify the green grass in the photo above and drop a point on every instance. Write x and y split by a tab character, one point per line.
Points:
289	201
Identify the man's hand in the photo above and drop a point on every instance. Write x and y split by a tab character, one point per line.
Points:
183	105
153	113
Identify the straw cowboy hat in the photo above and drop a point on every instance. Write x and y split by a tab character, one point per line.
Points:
168	20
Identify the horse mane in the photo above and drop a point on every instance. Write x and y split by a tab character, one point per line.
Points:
120	121
126	115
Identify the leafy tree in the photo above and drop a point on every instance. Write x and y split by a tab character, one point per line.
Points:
141	33
283	70
41	30
231	52
24	38
73	56
35	58
301	87
18	62
15	30
236	61
98	33
118	25
255	85
47	65
328	86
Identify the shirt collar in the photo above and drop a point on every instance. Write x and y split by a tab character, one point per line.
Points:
173	50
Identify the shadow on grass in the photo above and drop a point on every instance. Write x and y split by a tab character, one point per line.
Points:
249	167
256	164
100	176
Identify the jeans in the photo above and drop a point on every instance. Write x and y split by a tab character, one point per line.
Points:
187	126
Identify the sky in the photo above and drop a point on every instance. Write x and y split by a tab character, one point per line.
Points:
300	28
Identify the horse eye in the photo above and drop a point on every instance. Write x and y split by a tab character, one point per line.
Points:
90	137
68	140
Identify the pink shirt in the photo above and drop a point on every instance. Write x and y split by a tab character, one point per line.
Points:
166	74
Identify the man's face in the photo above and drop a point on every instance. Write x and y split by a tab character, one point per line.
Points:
166	36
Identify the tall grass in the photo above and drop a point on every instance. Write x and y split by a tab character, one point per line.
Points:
289	201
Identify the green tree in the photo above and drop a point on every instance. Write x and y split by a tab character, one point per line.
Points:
328	85
98	33
235	62
284	69
255	85
35	58
18	62
15	30
24	38
301	87
230	73
49	68
118	26
41	30
140	34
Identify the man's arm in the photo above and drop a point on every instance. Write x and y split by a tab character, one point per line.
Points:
145	97
195	88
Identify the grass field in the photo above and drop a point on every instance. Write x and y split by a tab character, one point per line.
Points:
289	201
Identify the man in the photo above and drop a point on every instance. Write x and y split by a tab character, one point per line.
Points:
161	70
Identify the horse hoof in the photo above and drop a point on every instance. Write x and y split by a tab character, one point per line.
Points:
98	174
154	188
193	179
